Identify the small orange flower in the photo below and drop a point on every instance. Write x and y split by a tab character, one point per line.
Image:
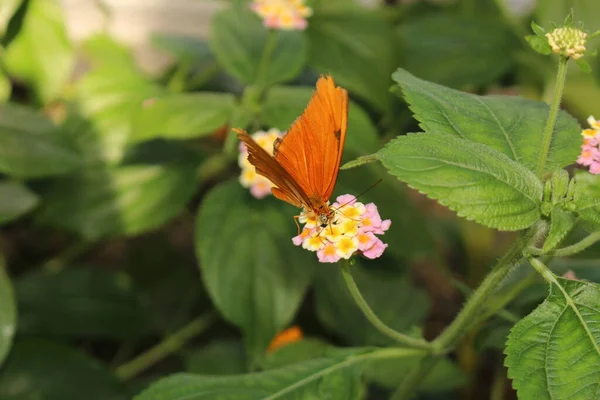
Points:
287	336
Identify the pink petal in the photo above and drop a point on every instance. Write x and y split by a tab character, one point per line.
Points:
345	199
366	241
376	250
595	168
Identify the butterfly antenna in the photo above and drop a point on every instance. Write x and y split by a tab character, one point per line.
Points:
356	197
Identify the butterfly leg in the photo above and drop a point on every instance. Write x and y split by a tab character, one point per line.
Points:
296	218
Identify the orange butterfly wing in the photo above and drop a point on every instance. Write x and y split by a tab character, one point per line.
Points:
307	159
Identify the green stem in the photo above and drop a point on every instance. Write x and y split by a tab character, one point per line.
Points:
409	385
506	298
500	311
578	247
477	302
374	319
554	108
169	345
73	252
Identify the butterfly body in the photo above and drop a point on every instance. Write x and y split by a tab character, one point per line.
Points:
306	161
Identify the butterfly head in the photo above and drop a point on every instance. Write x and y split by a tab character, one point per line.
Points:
324	214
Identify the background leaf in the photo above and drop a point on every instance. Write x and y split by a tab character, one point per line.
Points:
238	40
8	314
112	201
30	145
512	125
220	357
45	370
110	95
15	201
41	54
360	38
332	378
254	274
443	376
80	302
7	9
455	50
472	179
554	352
391	296
182	115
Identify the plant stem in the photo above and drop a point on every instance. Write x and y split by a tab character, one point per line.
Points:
169	345
374	319
476	303
554	107
569	250
409	385
500	311
74	251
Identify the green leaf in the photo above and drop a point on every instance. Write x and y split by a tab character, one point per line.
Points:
30	145
474	50
333	378
296	352
7	10
165	289
538	30
512	125
182	115
15	200
110	96
391	296
238	40
8	314
584	66
79	302
443	377
554	352
114	201
219	357
102	50
246	244
476	181
44	370
587	196
539	44
359	38
41	54
561	224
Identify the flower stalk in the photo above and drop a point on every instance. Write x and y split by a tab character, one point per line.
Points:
554	108
448	339
169	345
372	317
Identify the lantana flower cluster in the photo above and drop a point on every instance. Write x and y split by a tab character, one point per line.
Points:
282	14
590	150
567	41
351	231
260	187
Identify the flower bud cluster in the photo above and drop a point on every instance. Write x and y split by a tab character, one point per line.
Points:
567	41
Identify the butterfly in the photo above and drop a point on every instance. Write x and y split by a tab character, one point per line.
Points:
306	160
